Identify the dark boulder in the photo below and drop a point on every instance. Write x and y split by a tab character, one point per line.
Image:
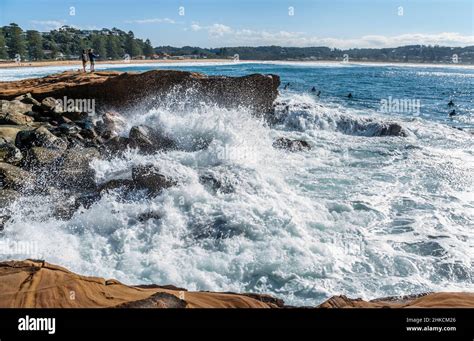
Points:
392	129
7	196
291	145
9	153
42	157
149	140
39	137
149	177
12	177
113	184
28	99
74	171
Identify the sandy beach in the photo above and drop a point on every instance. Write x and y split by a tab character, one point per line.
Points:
120	61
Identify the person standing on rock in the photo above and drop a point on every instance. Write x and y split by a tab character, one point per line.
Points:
84	59
92	58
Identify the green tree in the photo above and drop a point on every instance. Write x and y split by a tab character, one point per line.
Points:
131	45
3	48
15	40
98	44
35	45
114	48
148	48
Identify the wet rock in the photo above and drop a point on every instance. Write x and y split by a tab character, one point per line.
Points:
14	107
67	206
69	129
9	132
4	218
12	177
127	184
51	105
113	123
218	182
9	153
75	171
291	145
113	89
149	177
41	157
7	196
116	145
149	215
14	112
75	115
15	118
393	129
39	137
28	99
149	140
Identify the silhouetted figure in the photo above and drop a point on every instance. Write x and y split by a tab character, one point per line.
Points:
84	59
313	89
350	95
451	103
319	93
92	58
286	86
452	113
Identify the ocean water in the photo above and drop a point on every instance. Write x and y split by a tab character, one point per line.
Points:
358	214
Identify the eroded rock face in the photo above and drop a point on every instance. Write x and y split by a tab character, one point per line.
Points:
118	90
21	283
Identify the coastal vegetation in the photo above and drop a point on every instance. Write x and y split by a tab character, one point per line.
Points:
67	43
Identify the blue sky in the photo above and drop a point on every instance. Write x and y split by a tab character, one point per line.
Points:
213	23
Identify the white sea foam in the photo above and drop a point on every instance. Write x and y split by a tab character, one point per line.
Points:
360	215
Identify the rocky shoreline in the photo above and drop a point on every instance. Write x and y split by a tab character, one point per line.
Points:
38	284
46	148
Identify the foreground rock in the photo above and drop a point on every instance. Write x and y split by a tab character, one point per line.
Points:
118	89
38	284
14	178
429	300
291	145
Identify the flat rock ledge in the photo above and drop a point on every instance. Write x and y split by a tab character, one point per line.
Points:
38	284
116	90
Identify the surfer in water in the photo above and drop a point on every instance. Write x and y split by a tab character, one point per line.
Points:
451	103
350	95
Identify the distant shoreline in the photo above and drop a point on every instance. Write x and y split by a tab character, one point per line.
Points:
78	63
12	65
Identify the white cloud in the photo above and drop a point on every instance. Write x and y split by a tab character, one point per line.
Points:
152	21
230	36
219	30
48	25
196	27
